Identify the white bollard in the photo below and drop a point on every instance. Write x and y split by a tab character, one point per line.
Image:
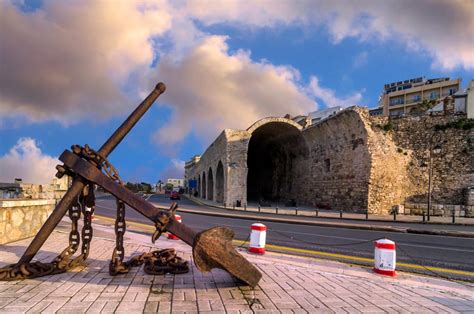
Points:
385	257
258	237
170	235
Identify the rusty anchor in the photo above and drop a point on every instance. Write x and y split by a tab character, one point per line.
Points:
212	248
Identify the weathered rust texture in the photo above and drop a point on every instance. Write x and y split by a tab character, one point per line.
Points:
211	248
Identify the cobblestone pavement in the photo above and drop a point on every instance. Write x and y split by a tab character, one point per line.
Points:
289	285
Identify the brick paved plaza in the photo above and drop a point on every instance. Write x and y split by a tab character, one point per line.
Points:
289	285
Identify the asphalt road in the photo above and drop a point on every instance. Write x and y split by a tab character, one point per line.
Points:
429	250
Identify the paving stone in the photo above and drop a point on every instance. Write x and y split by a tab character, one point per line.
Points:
296	285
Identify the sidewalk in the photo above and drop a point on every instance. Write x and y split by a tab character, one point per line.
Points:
289	285
306	211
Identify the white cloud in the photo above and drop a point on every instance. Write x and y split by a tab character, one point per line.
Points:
69	59
211	89
443	29
328	96
26	161
175	170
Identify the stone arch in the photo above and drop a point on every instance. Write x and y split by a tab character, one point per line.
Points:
203	189
268	120
199	185
220	183
210	185
274	149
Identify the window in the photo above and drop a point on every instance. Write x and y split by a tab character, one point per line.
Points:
452	91
416	98
434	95
396	101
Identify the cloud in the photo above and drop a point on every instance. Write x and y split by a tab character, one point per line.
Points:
360	60
211	89
26	161
443	29
328	96
69	60
72	60
175	170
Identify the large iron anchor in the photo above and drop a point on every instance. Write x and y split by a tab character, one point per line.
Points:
212	248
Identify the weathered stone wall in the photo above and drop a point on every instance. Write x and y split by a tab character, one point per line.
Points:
337	171
214	154
401	147
21	218
236	172
351	161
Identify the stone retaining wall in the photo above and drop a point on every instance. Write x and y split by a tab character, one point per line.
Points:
21	218
444	210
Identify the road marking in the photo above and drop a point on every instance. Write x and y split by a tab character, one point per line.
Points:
362	259
326	254
336	237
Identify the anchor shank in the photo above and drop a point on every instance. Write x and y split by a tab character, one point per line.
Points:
128	124
78	184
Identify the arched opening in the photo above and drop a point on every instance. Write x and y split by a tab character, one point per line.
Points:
220	183
273	151
199	186
203	191
210	185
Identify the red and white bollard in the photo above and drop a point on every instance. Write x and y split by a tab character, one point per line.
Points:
170	235
258	237
385	257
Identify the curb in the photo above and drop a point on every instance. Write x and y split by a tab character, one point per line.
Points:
460	234
355	219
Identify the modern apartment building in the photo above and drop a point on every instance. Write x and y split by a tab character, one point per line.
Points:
400	98
176	182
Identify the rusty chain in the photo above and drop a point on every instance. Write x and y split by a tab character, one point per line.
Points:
62	262
157	262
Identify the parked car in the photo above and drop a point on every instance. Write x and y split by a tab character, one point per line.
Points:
175	195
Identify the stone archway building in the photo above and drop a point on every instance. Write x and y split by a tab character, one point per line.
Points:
346	162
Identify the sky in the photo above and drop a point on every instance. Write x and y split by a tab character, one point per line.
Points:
72	71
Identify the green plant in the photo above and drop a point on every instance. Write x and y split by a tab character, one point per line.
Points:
461	124
387	127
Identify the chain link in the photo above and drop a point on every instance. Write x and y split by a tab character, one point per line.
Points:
61	262
116	265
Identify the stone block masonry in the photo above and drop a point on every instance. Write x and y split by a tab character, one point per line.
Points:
21	219
350	161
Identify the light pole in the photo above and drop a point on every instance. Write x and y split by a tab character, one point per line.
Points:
433	151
